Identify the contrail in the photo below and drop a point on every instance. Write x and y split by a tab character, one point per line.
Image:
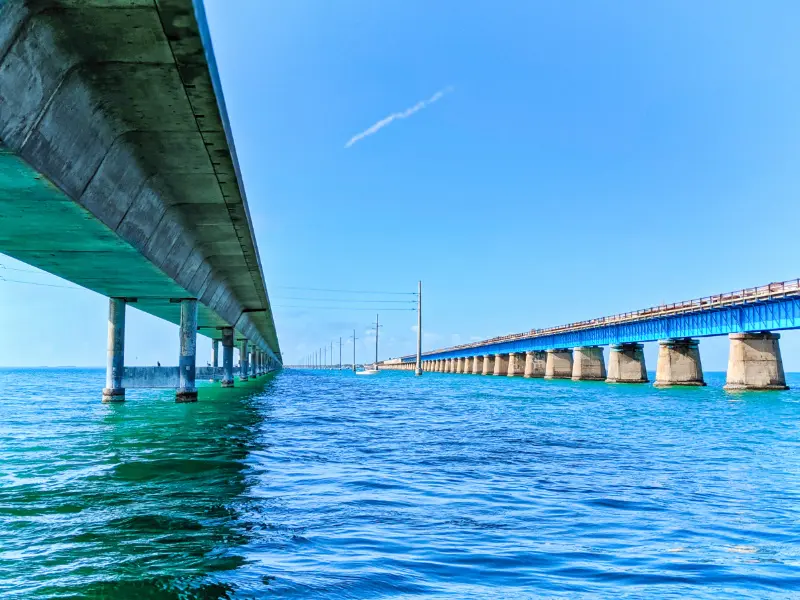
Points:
398	115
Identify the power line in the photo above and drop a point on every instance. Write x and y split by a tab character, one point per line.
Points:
338	307
38	272
307	289
68	287
345	300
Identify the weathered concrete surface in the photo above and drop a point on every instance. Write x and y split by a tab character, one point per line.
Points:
535	363
460	365
559	364
588	364
187	361
227	357
516	364
117	165
115	362
477	365
501	364
679	363
626	364
755	363
488	364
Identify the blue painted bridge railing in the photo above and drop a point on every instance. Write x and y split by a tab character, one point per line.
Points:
766	308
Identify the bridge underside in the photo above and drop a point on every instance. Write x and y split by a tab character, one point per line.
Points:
117	167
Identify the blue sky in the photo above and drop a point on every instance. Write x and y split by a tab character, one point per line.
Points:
585	159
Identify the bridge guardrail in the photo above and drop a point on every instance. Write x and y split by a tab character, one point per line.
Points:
754	294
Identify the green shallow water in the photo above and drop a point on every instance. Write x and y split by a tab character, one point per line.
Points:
326	485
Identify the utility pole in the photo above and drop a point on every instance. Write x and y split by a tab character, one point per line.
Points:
331	356
324	357
377	326
340	353
354	350
418	370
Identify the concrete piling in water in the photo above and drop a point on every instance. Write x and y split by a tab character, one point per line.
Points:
227	357
215	353
626	364
516	364
535	363
679	363
460	365
477	364
187	362
115	356
588	364
559	364
488	364
244	370
501	364
755	363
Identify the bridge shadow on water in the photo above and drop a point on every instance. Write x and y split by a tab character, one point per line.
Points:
133	500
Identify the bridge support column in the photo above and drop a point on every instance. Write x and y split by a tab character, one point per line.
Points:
187	391
559	364
679	363
588	364
215	353
535	363
501	364
227	357
755	363
441	365
488	364
254	361
451	366
477	364
115	355
516	364
626	364
244	370
459	365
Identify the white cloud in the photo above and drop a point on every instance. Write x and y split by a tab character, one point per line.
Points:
398	115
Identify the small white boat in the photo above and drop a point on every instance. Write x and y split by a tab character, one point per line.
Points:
368	371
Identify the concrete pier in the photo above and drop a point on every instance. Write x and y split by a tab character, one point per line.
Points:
755	363
588	364
626	364
254	362
244	369
559	364
477	364
460	365
227	357
115	358
187	390
215	353
501	364
488	364
679	363
516	364
535	363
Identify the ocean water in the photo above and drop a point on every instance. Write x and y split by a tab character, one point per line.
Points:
312	484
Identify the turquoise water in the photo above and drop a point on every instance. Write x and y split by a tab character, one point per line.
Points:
326	485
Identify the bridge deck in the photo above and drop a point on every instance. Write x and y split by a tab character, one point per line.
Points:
117	165
770	307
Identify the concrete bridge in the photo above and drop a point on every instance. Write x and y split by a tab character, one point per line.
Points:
750	318
118	172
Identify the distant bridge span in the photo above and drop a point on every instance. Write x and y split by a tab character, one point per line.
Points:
750	311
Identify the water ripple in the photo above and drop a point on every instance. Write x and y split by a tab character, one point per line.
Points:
326	485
